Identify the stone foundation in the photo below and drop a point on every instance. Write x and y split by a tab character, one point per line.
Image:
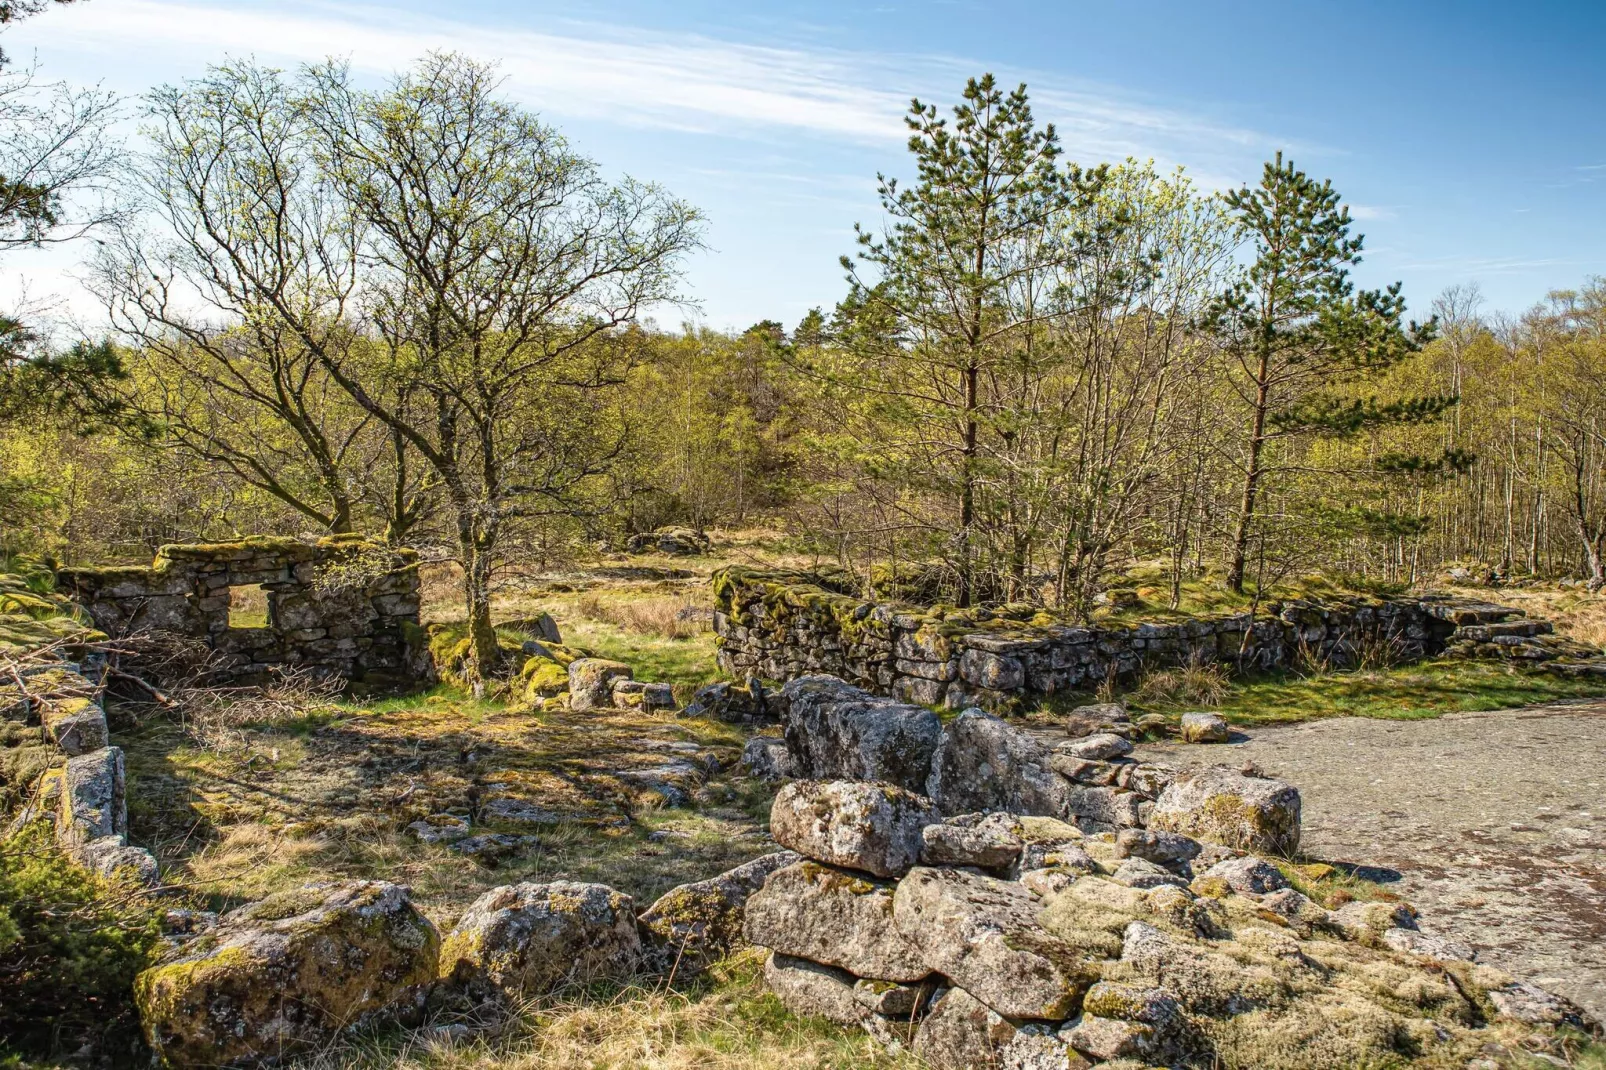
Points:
782	625
341	606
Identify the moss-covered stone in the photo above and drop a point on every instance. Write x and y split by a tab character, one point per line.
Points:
289	974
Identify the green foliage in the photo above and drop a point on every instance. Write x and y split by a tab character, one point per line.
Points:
70	945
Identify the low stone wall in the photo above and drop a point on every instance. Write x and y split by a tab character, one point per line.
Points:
56	759
782	625
342	606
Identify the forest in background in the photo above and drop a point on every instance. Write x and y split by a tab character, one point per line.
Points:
419	312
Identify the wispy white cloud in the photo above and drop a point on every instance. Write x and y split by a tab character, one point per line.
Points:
1368	213
666	80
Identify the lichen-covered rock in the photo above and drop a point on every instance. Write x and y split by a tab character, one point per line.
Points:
638	694
288	974
983	934
768	758
1164	848
1099	747
871	827
75	723
728	702
984	763
990	841
1427	946
695	924
93	800
963	1033
1248	875
1141	873
591	682
675	542
838	732
832	916
809	988
525	939
1205	728
1256	814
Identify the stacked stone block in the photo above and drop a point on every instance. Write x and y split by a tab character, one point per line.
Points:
779	625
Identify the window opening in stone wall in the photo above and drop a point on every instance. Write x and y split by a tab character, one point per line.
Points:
248	606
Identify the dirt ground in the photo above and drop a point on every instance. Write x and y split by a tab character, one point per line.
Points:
1492	824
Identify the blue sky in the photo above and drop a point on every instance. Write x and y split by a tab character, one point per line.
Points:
1468	137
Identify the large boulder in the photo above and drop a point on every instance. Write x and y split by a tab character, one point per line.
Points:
526	939
288	974
591	682
983	934
1220	805
696	924
842	919
838	732
984	763
871	827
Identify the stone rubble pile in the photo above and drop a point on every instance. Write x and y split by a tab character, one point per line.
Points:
979	762
1019	942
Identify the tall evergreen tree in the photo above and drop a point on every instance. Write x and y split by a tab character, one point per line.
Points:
1295	330
974	229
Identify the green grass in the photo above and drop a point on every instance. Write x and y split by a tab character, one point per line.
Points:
1408	692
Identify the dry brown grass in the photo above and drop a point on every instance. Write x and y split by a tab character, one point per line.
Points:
1198	683
732	1024
663	616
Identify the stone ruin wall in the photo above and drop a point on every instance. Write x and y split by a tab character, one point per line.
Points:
781	625
341	606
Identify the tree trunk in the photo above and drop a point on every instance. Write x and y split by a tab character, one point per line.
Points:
967	492
477	547
1246	508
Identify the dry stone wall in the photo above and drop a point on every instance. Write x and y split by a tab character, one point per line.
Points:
781	625
340	606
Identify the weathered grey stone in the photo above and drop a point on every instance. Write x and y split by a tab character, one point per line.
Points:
980	933
76	725
1164	848
288	974
591	682
1427	946
808	988
440	828
1098	748
995	672
871	827
989	841
1141	873
1107	1039
1038	1046
1364	921
695	924
1205	728
112	858
1257	814
768	758
1108	808
93	800
837	731
525	939
963	1033
892	1000
1248	875
832	916
631	694
1532	1005
983	763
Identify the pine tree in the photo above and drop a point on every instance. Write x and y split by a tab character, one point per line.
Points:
1296	333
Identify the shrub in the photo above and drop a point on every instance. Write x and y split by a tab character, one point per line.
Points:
70	945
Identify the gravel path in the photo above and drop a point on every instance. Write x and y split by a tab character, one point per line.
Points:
1494	822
